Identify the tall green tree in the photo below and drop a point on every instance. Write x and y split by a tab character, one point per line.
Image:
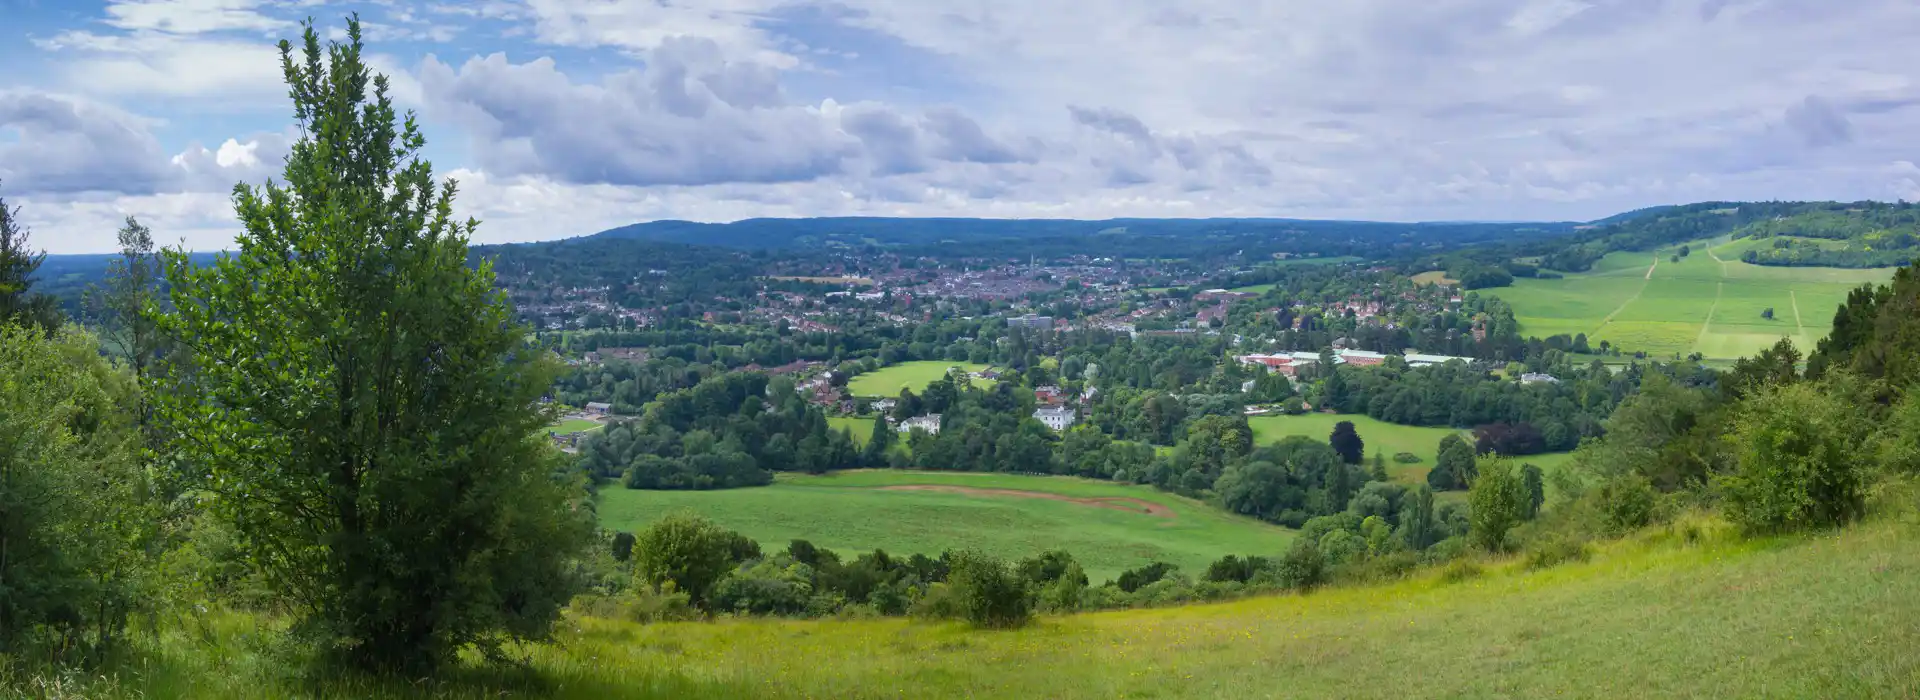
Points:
1347	443
122	307
1454	468
1799	451
360	404
74	520
19	304
1498	502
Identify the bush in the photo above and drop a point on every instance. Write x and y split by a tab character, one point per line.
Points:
989	593
1461	570
938	602
1626	504
687	551
1302	568
765	588
1134	579
1406	458
1798	453
1555	551
1499	501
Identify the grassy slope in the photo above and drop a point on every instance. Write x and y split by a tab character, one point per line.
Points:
1821	616
847	513
1698	304
887	381
575	425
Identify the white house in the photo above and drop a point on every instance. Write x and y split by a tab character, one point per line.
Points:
1537	378
599	409
929	423
1056	418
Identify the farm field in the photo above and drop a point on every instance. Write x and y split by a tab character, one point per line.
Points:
1107	526
1709	302
1820	616
887	381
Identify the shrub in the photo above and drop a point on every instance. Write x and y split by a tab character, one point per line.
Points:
938	601
1133	579
1498	501
1555	551
687	551
1406	458
1303	567
765	588
1797	450
989	593
1461	570
1626	504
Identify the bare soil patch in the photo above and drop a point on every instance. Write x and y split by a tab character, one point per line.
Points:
1131	505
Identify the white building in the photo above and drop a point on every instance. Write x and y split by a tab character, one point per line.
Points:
1417	359
929	423
1056	418
1537	378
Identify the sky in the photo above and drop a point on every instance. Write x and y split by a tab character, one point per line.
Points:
560	118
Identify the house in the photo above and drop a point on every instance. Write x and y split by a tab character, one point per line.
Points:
1031	321
929	423
1538	378
883	406
1087	395
1361	358
1049	395
599	409
1056	418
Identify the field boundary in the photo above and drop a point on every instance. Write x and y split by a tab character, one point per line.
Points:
1794	299
1706	324
1629	300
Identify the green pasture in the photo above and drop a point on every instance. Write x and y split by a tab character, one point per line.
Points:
574	425
1385	438
861	428
888	381
850	512
1708	302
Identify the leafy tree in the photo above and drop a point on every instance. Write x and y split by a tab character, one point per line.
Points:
1379	470
1767	313
1419	526
687	551
1134	579
1455	466
360	404
73	513
991	595
1302	567
1533	481
1346	442
1498	502
18	303
1798	455
622	546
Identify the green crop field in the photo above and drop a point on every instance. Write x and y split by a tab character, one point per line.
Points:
1830	615
887	381
859	511
1709	302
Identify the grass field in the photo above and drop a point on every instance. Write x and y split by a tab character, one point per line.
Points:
1709	302
861	428
1385	438
575	425
1433	277
855	512
887	381
1822	616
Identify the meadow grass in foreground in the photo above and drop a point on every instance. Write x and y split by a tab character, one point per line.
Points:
1666	614
855	512
888	381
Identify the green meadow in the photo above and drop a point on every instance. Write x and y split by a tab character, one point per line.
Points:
575	425
888	381
1709	302
1385	438
1685	611
1101	523
860	428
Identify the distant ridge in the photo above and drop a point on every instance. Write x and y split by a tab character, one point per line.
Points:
802	232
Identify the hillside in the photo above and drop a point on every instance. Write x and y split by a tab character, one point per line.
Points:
1827	615
1822	234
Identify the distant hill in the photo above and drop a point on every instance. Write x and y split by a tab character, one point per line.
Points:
1815	234
897	232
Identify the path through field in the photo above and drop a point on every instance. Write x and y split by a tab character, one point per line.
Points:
1794	297
1707	325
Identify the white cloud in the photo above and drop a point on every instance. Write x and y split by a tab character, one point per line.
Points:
224	73
189	16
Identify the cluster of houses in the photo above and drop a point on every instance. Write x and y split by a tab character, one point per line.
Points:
1057	409
1289	364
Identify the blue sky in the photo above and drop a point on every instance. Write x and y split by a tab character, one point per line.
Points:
564	117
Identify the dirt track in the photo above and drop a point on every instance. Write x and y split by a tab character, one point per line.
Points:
1131	505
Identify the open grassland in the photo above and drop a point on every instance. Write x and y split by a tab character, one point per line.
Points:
1434	277
1708	302
888	381
1385	438
861	428
575	425
1661	615
1108	527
